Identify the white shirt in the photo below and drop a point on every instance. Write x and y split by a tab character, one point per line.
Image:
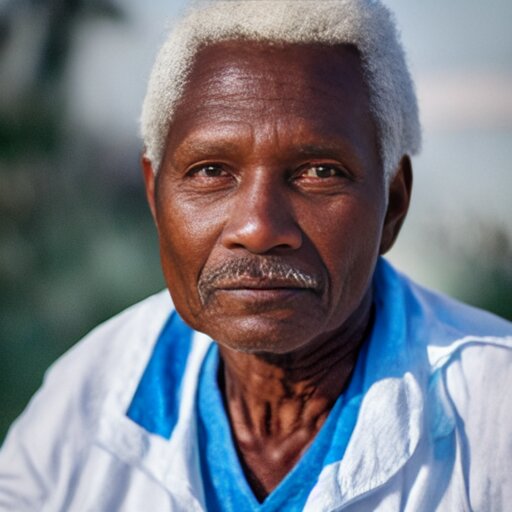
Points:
433	431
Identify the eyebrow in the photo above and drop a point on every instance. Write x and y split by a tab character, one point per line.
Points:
207	148
228	146
320	149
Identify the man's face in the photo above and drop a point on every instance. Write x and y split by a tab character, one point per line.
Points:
270	200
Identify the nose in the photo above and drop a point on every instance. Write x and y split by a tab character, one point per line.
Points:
262	219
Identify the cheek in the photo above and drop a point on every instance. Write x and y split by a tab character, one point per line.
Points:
347	240
186	241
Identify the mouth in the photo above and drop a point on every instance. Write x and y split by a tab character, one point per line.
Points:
261	297
262	294
259	279
262	284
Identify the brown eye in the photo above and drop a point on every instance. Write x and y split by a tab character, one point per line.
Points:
321	171
209	171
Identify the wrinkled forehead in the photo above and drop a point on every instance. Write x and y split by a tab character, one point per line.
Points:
308	92
277	72
245	77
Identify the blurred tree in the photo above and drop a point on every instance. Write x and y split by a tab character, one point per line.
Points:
63	17
484	276
77	244
33	122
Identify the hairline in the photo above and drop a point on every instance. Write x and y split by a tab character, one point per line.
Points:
190	41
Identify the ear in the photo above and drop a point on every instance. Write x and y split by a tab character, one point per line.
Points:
398	204
149	180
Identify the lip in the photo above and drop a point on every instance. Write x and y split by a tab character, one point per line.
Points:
264	294
262	284
263	289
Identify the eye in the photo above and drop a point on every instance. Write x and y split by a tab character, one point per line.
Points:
323	171
208	171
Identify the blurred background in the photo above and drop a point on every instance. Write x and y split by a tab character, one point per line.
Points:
77	243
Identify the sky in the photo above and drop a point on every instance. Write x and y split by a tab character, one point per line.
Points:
460	55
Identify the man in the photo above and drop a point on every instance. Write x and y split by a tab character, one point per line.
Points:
277	142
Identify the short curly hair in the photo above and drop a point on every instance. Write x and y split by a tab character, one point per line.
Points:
366	24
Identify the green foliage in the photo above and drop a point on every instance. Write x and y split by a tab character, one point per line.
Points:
483	276
77	240
30	129
63	17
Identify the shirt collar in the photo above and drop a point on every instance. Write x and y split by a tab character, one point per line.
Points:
391	415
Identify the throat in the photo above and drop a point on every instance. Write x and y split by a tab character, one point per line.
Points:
274	421
278	404
271	436
266	464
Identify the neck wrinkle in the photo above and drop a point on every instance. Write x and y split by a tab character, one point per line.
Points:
274	395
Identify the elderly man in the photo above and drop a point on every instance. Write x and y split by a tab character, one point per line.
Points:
277	141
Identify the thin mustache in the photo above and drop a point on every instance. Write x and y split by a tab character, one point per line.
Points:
270	269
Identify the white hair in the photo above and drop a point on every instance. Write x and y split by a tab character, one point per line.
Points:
366	24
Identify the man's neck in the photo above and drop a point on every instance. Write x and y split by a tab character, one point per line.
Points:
277	403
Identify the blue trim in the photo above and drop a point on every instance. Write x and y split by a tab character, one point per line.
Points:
155	404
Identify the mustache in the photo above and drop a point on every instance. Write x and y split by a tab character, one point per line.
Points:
268	271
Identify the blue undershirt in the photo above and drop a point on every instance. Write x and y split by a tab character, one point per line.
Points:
225	486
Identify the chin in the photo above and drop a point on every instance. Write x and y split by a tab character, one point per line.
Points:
262	335
255	346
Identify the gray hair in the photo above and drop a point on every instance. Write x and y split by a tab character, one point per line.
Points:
366	24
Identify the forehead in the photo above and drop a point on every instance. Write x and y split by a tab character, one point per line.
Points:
299	88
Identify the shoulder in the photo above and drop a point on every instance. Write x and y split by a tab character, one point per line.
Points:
469	370
85	372
470	346
479	343
81	377
478	380
61	419
440	318
434	324
101	351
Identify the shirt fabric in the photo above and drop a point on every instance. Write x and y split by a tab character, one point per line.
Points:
432	425
225	486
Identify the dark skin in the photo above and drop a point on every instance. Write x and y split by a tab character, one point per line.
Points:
272	162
